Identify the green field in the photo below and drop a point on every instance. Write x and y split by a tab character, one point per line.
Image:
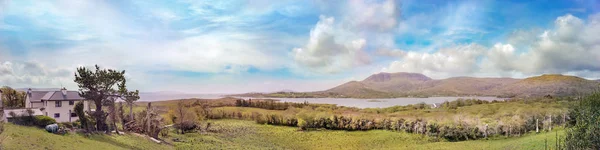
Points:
237	134
17	137
240	133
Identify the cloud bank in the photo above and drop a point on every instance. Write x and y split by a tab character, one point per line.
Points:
205	47
570	47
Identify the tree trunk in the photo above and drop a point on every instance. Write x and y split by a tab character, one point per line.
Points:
486	131
99	116
130	111
537	129
113	116
148	119
550	127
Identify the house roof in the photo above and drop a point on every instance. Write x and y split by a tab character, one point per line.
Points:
36	96
54	96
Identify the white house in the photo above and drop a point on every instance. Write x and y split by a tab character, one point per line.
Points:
56	104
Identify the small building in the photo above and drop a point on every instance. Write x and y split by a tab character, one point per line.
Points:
56	104
20	112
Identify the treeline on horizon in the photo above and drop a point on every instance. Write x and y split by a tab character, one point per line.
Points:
456	130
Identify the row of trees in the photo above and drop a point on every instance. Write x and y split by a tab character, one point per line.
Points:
453	131
464	102
268	104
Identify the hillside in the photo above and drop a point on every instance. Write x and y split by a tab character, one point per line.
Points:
17	137
412	84
555	85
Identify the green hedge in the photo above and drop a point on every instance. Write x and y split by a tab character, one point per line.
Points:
43	121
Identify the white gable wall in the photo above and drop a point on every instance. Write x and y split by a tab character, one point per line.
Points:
64	110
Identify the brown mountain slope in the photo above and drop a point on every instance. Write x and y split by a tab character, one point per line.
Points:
465	86
556	85
414	84
395	82
357	90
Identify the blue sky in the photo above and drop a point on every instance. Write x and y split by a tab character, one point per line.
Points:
260	46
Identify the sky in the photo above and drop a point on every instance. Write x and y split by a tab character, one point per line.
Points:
307	45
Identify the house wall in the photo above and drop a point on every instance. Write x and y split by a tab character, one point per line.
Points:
27	102
64	110
35	105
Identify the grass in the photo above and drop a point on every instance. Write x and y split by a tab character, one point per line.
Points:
238	134
241	134
17	137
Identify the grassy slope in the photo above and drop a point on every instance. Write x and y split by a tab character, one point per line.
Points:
31	138
236	134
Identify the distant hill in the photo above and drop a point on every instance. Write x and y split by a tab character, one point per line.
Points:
554	84
40	89
413	84
402	84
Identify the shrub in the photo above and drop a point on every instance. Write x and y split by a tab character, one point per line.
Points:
43	121
66	124
1	123
77	124
84	120
585	134
186	126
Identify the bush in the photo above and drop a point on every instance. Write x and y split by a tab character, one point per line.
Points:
585	133
66	124
77	124
43	121
1	123
186	126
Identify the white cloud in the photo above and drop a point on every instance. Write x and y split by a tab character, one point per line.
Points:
571	47
338	44
373	16
523	38
327	52
452	61
27	74
209	53
391	53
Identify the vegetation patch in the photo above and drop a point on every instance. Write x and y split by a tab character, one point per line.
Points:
17	137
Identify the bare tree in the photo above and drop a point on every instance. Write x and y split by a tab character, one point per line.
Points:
129	97
181	112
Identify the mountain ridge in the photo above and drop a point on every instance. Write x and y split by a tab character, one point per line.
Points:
404	84
415	84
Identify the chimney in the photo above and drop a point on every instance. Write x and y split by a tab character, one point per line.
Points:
64	91
29	92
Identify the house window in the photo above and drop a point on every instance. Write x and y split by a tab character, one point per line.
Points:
71	102
57	104
56	115
73	115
